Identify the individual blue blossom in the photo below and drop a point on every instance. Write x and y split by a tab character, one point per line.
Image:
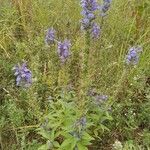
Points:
85	23
23	75
50	36
90	16
105	7
95	31
133	55
90	5
64	50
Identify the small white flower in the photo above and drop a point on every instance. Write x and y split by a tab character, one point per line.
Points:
117	145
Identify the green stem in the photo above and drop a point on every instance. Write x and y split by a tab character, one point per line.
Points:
86	52
84	80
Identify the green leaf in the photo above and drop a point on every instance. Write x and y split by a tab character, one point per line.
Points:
45	134
56	144
88	137
85	142
104	127
66	143
52	134
73	143
43	147
81	147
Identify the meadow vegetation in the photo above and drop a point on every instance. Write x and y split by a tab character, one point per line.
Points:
72	83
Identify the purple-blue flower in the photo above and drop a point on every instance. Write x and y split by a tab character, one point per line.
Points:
50	36
79	127
98	98
133	55
85	23
82	121
101	98
95	31
89	7
23	75
105	7
64	50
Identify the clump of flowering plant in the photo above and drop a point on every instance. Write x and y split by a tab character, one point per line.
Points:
89	7
50	36
88	11
23	75
79	127
101	98
105	7
63	50
132	58
98	98
95	31
63	47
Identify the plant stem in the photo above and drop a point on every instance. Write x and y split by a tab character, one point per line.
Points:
84	79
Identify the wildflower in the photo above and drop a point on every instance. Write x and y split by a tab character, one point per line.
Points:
82	121
23	75
63	50
50	36
95	31
90	16
79	126
105	7
89	7
100	98
117	145
50	99
85	24
133	55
